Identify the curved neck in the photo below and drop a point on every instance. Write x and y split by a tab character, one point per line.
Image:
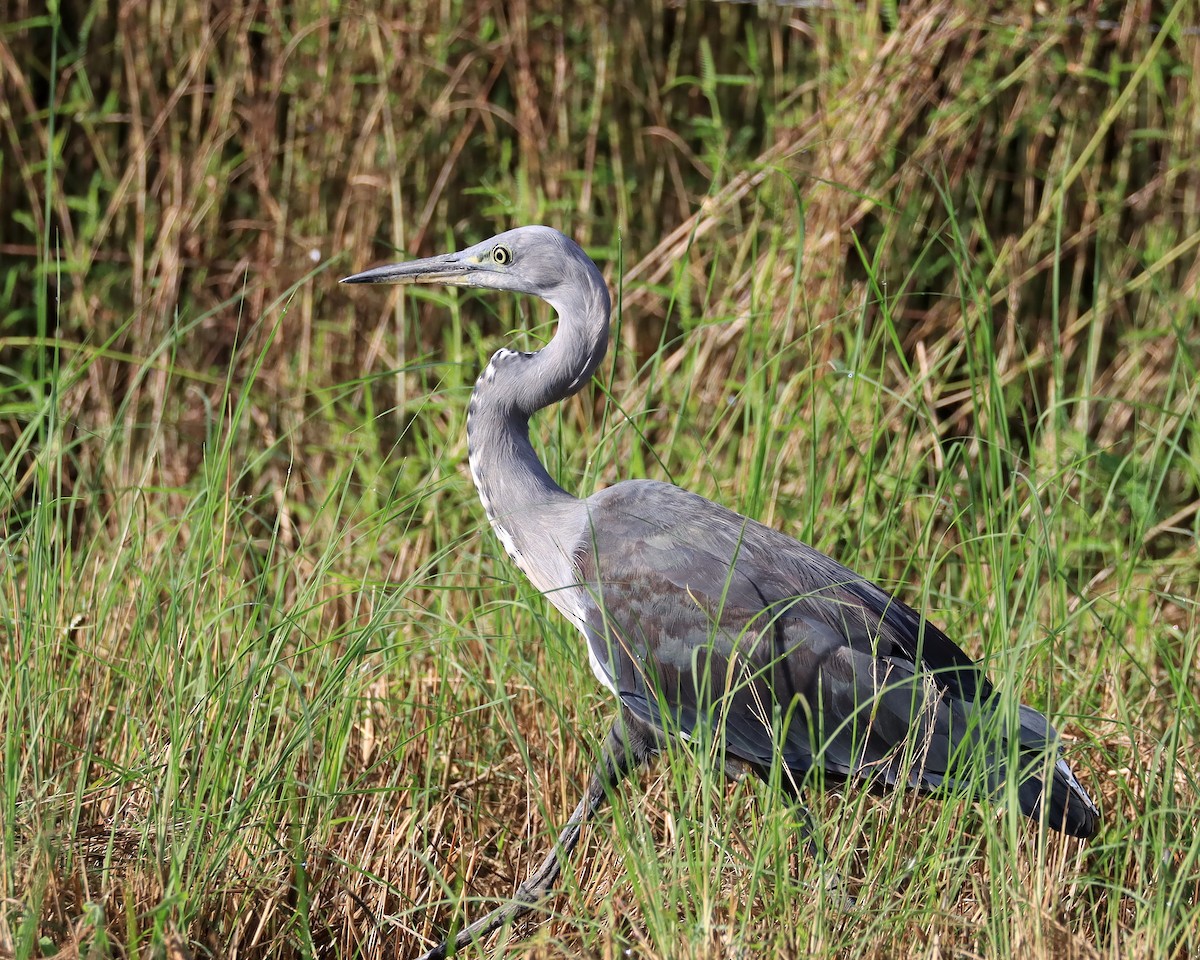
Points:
513	485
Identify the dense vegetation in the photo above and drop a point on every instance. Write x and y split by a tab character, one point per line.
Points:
914	282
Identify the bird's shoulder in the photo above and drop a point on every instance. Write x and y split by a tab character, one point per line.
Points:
654	546
641	527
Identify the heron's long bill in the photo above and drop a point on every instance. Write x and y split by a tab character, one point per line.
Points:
452	269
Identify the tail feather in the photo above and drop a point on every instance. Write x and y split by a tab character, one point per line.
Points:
1067	806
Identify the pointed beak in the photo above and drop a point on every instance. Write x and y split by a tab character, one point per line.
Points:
452	269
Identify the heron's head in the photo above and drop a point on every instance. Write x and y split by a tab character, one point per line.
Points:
536	260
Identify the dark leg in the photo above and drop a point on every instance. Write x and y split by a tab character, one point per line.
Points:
828	877
791	788
629	745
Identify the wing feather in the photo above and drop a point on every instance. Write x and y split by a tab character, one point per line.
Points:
703	617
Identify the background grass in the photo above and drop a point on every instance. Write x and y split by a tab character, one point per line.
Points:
916	283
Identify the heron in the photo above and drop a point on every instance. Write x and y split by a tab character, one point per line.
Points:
703	622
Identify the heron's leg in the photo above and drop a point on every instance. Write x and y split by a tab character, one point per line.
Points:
808	832
792	786
828	879
628	747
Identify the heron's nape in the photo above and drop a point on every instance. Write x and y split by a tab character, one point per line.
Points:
692	612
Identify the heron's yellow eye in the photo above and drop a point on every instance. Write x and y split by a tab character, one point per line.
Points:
502	255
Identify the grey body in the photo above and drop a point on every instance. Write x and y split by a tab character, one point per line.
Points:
697	617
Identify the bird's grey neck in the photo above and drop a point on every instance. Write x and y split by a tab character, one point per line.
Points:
507	473
517	492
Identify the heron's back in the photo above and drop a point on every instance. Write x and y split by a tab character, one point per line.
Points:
718	620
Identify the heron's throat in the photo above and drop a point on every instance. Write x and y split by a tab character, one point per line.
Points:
520	497
538	523
513	485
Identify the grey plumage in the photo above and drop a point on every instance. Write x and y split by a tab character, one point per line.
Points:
696	617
